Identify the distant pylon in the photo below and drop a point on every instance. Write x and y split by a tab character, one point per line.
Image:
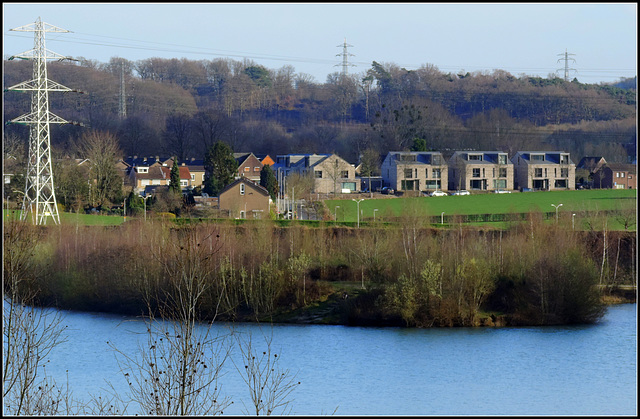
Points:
123	100
345	61
566	64
39	195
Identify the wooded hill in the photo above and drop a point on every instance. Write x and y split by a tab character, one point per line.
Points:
181	107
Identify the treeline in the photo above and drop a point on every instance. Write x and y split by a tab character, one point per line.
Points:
181	107
533	274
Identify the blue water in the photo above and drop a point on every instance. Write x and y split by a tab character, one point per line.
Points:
580	370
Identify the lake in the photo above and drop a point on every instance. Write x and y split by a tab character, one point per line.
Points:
569	370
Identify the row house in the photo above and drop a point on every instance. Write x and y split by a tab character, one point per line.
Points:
544	170
415	171
331	173
480	171
616	176
145	178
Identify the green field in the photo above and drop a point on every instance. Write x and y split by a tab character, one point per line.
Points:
517	202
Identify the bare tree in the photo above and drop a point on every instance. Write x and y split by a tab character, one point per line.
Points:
269	385
102	150
177	369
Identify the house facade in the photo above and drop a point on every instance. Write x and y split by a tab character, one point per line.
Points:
196	171
331	173
249	166
544	170
480	171
616	176
415	171
243	199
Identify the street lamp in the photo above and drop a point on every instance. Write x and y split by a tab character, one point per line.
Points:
556	207
358	209
374	214
335	213
442	217
145	206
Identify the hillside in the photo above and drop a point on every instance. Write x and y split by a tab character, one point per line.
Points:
181	107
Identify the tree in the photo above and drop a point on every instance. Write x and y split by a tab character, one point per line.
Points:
101	148
268	181
370	165
419	144
178	135
220	167
174	181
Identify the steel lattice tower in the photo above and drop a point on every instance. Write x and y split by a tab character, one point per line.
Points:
39	196
345	57
566	64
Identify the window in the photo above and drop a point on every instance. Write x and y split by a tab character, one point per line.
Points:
407	157
502	159
475	157
437	159
436	173
500	184
246	169
564	159
537	172
537	157
257	169
408	173
344	174
564	172
503	172
426	174
475	173
184	183
242	190
318	174
142	170
193	177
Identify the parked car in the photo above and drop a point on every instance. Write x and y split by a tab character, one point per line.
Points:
438	193
387	190
461	193
501	191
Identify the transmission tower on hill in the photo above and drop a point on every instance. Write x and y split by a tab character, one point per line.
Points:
566	64
39	195
345	57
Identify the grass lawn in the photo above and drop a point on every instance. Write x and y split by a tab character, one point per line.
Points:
67	218
517	202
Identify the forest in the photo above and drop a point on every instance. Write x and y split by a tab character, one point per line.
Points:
181	107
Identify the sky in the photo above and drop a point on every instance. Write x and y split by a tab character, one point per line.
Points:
520	38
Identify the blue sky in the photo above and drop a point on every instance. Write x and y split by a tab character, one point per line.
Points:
525	38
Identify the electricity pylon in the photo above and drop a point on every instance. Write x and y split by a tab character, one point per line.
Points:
345	55
566	64
39	195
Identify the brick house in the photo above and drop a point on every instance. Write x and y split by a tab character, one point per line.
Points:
244	198
249	166
616	176
544	170
480	171
415	171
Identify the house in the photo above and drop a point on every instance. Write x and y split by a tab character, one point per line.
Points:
415	171
480	171
142	176
185	176
544	170
244	198
331	173
616	176
249	166
197	171
587	167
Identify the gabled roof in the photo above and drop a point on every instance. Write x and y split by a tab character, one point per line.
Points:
488	157
247	182
591	162
184	172
148	161
622	167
